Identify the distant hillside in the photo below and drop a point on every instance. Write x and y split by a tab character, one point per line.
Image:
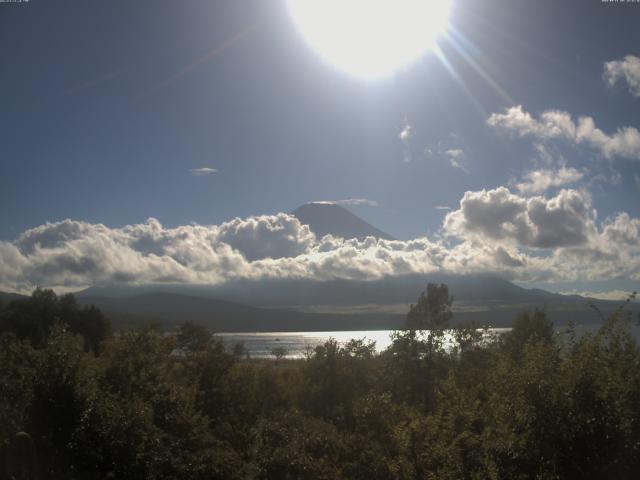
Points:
389	290
8	297
327	218
326	306
385	291
170	310
297	305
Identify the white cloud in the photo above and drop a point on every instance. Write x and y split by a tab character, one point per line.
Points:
202	171
72	253
456	158
353	202
442	207
627	70
450	149
558	125
528	239
405	136
615	295
539	181
552	123
267	236
564	220
365	202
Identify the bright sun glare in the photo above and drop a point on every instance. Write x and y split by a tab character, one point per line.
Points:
370	38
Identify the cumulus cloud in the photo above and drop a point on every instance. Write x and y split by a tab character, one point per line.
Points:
555	238
495	231
613	252
73	253
202	171
274	236
539	181
558	125
564	220
626	70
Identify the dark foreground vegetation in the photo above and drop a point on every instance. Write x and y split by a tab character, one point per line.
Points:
77	402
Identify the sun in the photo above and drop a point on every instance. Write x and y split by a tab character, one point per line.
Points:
370	38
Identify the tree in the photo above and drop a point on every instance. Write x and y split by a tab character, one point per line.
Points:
528	329
193	337
279	353
433	310
94	326
34	318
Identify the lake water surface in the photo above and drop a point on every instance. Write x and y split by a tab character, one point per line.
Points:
298	344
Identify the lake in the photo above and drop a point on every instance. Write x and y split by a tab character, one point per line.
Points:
297	344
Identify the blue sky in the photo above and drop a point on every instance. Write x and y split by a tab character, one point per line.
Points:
108	107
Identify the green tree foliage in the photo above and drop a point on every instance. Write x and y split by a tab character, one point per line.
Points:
335	376
433	309
35	317
528	329
532	403
414	358
193	337
292	446
19	364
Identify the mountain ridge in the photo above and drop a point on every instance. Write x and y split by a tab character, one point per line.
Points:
325	218
143	306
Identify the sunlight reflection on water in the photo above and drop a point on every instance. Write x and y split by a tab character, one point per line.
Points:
297	344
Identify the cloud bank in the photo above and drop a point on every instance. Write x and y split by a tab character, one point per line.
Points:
525	238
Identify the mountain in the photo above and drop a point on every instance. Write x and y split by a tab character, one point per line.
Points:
297	305
385	291
8	297
305	305
329	218
170	310
296	293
